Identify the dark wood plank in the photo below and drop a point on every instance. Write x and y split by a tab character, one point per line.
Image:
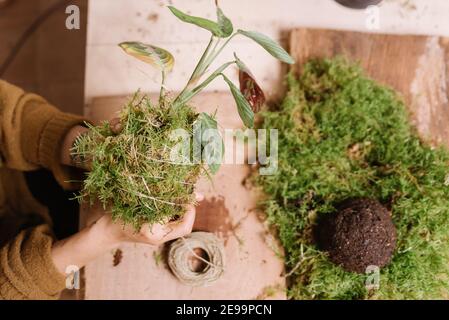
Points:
51	63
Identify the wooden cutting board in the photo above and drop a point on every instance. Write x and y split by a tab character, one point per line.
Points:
416	66
253	270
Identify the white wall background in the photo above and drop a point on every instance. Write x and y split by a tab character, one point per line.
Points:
110	72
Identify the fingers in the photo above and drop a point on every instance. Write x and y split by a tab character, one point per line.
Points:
68	144
94	212
82	163
182	227
160	233
116	126
199	196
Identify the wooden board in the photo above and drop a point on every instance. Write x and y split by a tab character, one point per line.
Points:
416	66
252	268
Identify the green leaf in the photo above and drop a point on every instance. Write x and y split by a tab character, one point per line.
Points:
203	123
242	66
243	107
147	53
224	23
214	167
214	27
270	45
207	121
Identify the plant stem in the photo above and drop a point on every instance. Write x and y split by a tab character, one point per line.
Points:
162	92
214	55
205	61
195	75
187	95
196	71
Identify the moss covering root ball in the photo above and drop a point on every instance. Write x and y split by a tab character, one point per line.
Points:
360	234
132	172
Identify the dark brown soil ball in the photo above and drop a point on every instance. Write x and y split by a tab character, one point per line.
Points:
360	234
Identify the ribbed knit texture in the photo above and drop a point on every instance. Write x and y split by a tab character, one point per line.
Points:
31	134
26	268
42	138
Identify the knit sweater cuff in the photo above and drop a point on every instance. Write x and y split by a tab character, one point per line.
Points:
50	143
44	130
27	270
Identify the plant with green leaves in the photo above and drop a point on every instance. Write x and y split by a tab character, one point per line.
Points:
132	172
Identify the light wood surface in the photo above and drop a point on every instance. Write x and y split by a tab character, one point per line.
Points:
413	65
109	72
402	62
416	66
253	271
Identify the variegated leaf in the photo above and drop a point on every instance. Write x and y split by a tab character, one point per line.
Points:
150	54
249	87
225	25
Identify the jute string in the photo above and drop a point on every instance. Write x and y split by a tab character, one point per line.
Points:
182	250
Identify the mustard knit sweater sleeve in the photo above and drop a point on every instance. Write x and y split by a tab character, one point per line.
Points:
31	133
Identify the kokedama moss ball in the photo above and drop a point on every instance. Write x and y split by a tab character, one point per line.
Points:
132	172
359	235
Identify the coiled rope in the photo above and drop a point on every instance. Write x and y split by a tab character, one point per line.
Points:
181	251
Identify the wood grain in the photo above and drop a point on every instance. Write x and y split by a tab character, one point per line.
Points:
109	72
415	66
252	268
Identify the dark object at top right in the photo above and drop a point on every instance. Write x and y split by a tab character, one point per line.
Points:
358	4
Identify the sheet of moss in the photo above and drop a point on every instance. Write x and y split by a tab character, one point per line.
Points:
342	135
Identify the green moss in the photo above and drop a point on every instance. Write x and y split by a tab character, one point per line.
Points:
343	135
131	172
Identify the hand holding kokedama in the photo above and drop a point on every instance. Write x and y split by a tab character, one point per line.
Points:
154	234
132	172
104	234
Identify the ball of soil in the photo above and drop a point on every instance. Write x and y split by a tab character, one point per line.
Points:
360	234
358	4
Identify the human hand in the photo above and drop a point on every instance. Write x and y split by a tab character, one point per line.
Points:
67	145
155	234
115	232
106	234
69	141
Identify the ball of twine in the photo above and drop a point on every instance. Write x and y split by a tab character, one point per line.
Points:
181	250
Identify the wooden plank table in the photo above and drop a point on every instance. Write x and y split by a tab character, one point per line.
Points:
253	270
109	72
416	66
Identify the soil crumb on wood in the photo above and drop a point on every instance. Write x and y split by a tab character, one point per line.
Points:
117	257
153	17
360	234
